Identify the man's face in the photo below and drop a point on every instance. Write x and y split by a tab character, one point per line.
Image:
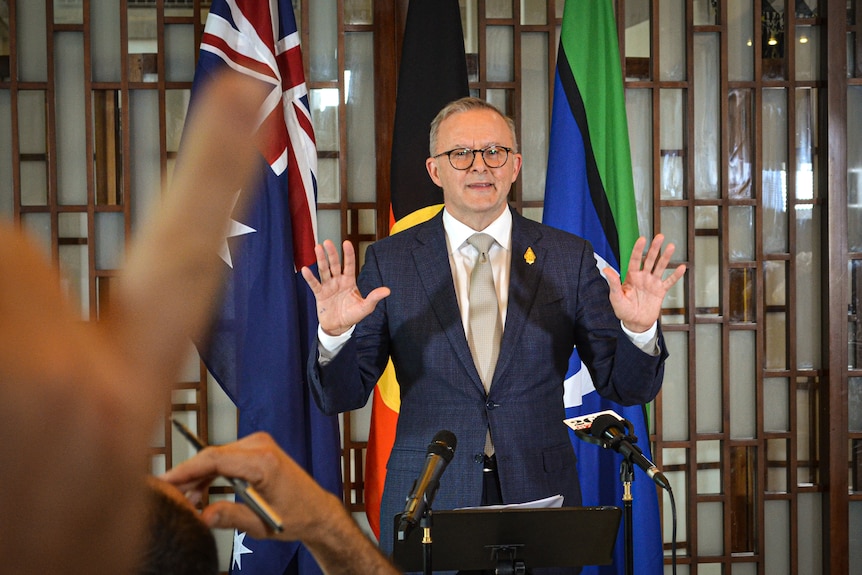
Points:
478	195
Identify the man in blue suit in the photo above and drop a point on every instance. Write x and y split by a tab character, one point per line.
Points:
411	303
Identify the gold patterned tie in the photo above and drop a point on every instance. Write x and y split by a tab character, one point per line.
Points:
485	327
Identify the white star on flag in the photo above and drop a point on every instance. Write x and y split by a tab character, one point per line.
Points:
235	229
239	549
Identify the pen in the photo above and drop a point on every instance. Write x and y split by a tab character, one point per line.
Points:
241	487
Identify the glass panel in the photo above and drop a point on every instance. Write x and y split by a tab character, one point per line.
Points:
176	106
776	466
6	195
776	404
709	468
329	225
674	308
502	99
637	39
470	26
854	170
741	240
775	283
31	42
855	534
359	97
774	171
104	287
34	182
808	288
806	144
68	12
854	403
743	385
807	53
810	533
105	53
674	402
743	498
500	53
32	125
854	56
145	169
323	42
639	112
535	12
776	340
741	141
498	8
806	430
38	225
707	275
740	45
705	12
358	12
324	114
110	240
854	309
671	137
143	44
674	226
107	147
773	38
710	532
672	53
180	51
32	146
776	544
742	290
71	128
72	233
707	133
534	113
4	42
708	383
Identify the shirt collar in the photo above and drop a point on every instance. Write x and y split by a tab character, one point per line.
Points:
457	232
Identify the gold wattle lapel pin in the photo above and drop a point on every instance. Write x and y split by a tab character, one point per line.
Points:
530	256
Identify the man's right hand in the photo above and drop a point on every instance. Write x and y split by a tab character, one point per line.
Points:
340	305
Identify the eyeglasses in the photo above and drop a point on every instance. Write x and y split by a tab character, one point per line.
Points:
463	158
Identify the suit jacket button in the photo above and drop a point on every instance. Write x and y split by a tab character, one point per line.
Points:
491	405
479	458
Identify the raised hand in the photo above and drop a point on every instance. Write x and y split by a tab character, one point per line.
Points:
637	302
340	305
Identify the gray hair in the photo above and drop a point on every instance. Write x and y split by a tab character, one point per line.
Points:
465	105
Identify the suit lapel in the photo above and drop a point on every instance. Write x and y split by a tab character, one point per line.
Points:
523	282
431	259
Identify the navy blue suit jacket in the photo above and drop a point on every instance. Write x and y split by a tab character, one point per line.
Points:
555	303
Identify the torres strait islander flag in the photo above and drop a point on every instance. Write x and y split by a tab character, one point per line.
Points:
590	192
433	72
259	343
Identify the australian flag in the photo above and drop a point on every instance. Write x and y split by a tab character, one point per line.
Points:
259	343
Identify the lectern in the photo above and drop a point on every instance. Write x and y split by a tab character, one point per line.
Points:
512	540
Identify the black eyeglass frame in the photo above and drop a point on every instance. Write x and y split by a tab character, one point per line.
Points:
473	161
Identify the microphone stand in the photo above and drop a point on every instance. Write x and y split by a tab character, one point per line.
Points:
626	477
426	523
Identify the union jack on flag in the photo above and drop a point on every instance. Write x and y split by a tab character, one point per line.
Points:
258	346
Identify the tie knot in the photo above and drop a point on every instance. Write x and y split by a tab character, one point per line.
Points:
481	242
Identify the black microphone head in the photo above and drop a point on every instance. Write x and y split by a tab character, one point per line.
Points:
604	422
443	445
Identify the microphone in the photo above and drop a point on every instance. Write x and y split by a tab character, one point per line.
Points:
440	453
609	427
